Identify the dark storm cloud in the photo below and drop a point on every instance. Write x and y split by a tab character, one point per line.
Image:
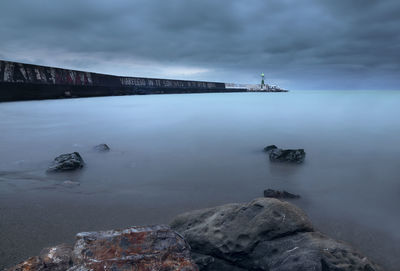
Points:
298	44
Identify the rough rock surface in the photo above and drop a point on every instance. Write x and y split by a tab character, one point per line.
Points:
55	259
265	234
66	162
102	148
281	155
205	262
270	193
137	248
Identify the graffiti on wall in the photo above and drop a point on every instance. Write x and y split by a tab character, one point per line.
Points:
21	73
12	72
152	83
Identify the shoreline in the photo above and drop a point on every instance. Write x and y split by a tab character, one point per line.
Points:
216	238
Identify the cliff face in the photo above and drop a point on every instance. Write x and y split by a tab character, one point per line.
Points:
20	81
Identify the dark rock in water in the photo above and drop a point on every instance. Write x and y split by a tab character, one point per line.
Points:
66	162
265	234
281	155
136	248
270	147
270	193
102	148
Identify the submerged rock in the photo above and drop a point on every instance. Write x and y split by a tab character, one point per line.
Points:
270	147
67	162
270	193
135	248
102	148
281	155
265	234
71	183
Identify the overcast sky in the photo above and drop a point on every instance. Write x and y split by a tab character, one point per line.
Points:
298	44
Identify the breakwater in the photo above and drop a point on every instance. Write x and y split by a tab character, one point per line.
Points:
19	81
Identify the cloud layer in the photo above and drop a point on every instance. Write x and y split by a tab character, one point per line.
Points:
308	44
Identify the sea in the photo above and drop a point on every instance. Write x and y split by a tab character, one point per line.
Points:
175	153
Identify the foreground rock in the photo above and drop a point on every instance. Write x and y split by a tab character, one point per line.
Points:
137	248
57	258
265	234
281	155
270	193
67	162
102	148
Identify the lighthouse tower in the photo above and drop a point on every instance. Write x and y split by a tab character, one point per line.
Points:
262	81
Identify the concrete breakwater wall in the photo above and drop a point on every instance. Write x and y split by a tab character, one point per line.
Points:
20	81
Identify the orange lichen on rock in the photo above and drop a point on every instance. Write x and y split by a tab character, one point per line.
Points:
133	249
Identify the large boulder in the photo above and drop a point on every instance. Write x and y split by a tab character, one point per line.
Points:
136	248
280	155
67	162
265	234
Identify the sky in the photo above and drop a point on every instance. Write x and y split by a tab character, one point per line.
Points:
299	45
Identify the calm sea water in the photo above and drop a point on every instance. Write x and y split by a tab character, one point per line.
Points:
174	153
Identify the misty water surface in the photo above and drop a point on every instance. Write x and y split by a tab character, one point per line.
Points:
174	153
